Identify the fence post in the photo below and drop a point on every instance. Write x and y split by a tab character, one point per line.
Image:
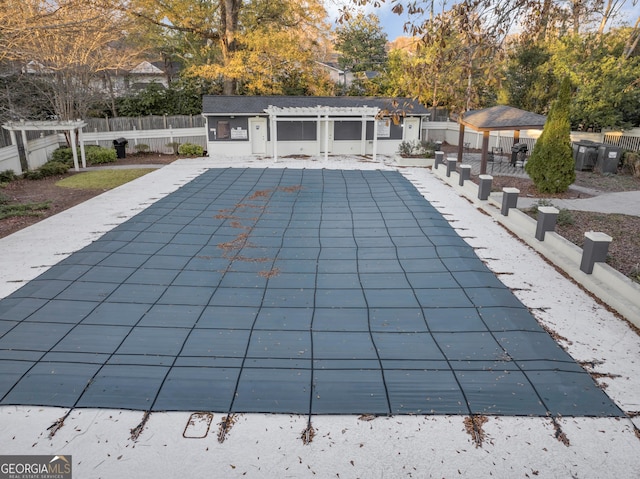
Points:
439	159
595	249
509	200
484	188
547	216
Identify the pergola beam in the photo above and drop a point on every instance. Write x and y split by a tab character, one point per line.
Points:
323	114
70	126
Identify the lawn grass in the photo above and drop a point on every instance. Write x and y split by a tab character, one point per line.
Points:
102	179
24	209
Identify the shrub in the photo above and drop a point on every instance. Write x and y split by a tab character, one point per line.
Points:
7	176
190	149
4	199
424	149
96	155
551	166
141	148
175	146
405	148
63	154
631	163
50	168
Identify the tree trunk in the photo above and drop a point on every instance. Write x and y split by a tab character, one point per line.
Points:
229	16
632	41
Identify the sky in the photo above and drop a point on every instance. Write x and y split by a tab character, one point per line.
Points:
393	24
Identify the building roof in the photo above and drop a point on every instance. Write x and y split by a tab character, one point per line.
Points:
502	117
256	105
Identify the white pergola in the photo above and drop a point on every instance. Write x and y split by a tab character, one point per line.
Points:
73	127
323	114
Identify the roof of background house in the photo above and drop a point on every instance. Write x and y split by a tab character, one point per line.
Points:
252	105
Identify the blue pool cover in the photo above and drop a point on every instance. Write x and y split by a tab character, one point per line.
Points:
285	291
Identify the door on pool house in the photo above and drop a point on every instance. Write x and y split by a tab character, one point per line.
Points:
258	127
411	130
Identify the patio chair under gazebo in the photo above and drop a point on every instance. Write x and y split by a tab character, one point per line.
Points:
497	118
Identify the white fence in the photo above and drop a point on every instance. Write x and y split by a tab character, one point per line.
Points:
39	151
157	140
164	140
9	159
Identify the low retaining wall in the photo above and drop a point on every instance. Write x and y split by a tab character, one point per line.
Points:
607	284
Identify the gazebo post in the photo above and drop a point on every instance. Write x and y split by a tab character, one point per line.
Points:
485	150
460	141
516	136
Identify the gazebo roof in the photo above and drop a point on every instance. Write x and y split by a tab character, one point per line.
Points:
502	117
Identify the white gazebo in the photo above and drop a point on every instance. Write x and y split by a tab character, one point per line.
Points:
73	127
323	115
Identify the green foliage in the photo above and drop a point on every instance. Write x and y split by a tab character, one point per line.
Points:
97	155
141	148
183	97
190	149
7	176
23	209
529	82
422	149
362	44
64	154
551	166
50	168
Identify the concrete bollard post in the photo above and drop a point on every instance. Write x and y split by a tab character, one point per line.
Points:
451	166
547	216
595	249
439	159
509	200
484	188
465	174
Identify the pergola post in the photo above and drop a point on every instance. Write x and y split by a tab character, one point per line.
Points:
375	138
274	137
25	144
326	137
83	155
460	141
485	150
74	150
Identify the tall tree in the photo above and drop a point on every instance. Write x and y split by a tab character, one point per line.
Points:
529	82
361	43
70	47
224	33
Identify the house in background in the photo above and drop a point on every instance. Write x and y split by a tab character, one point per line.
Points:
314	126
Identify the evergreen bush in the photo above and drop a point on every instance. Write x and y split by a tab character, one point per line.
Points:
7	176
551	166
63	154
50	168
190	149
97	155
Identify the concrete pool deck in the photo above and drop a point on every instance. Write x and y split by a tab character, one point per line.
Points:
437	445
